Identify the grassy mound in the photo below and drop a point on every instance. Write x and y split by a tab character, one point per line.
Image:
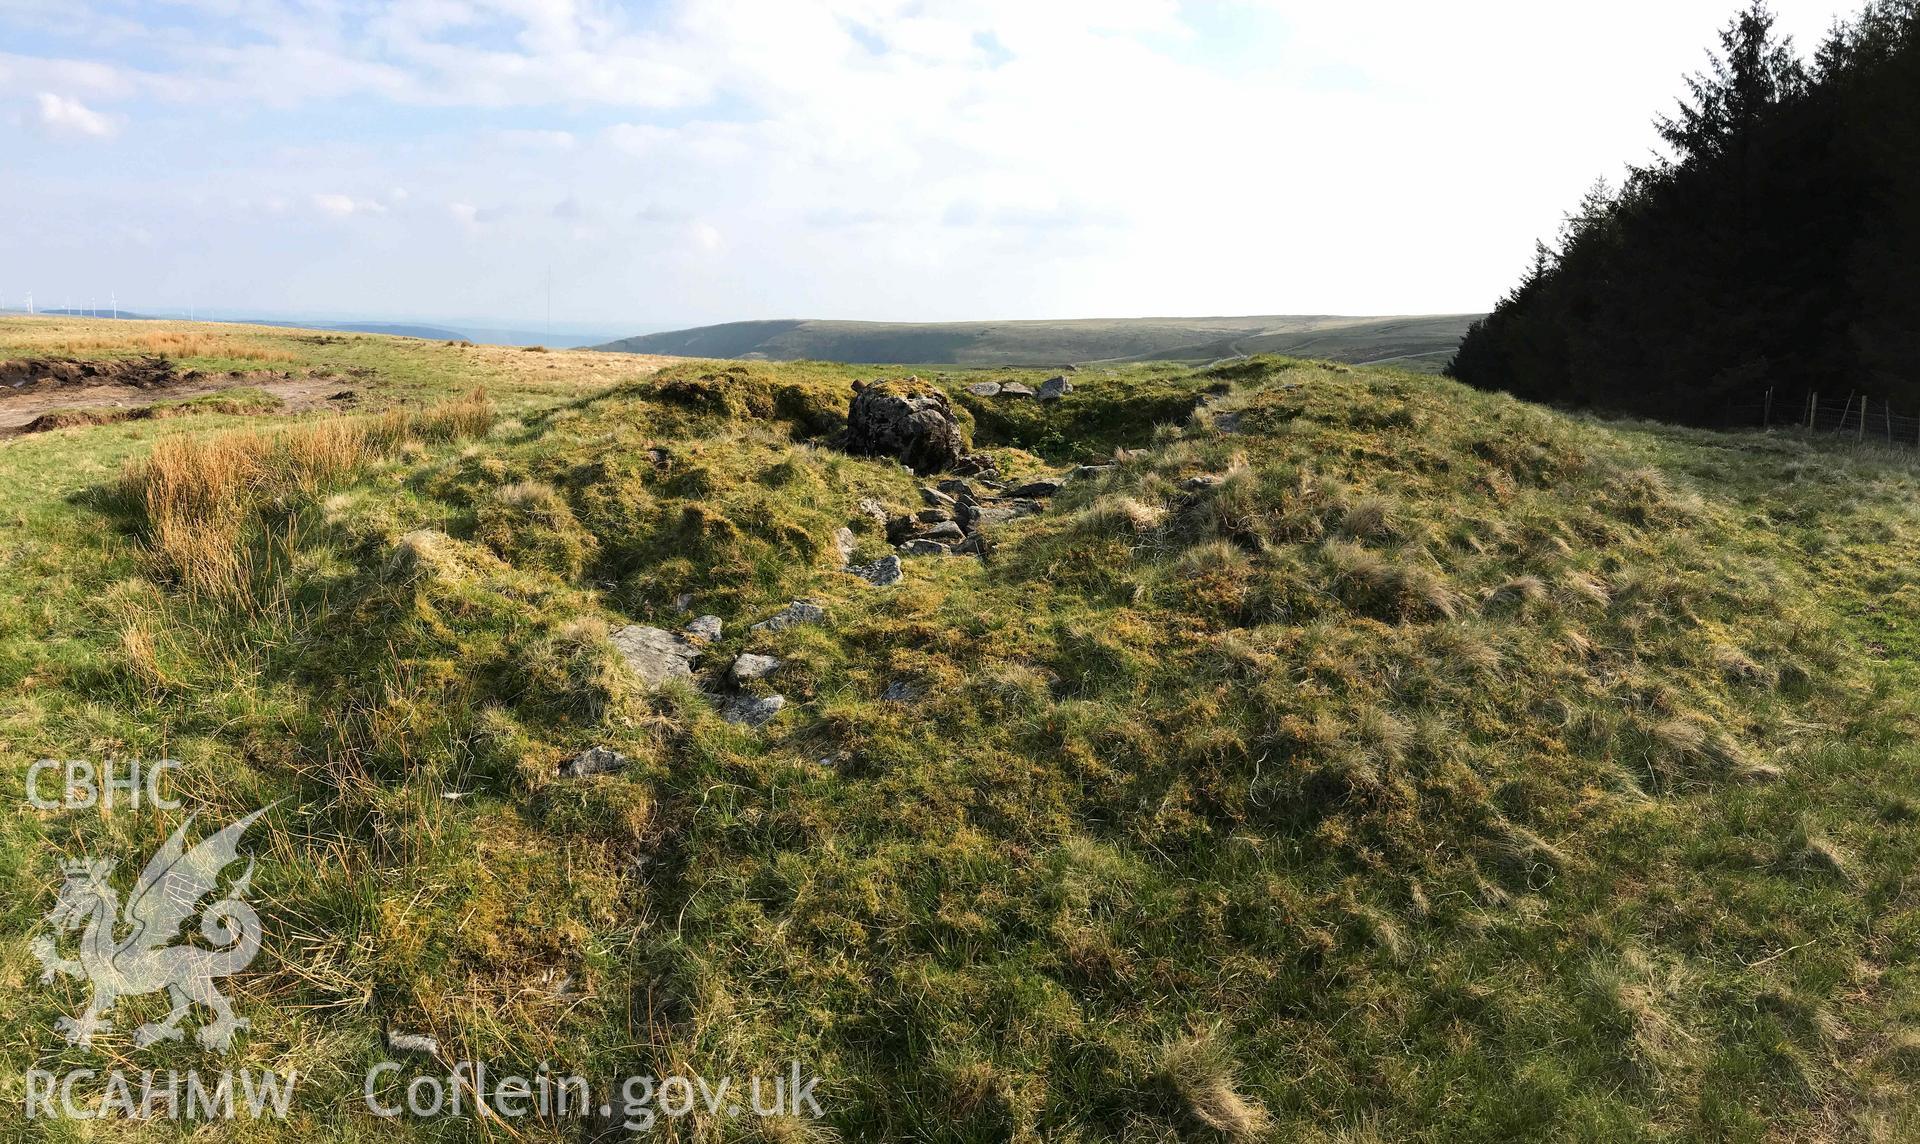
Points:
1356	757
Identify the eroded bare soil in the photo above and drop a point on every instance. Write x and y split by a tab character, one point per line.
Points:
33	388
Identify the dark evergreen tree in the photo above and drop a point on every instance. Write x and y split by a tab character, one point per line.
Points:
1775	248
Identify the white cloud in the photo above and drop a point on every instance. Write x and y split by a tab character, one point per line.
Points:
706	237
892	158
344	206
58	115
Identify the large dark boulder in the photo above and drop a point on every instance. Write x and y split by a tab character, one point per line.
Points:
907	420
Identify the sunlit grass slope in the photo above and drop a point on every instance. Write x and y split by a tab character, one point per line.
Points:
1359	757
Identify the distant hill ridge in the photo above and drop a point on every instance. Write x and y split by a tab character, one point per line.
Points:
1423	342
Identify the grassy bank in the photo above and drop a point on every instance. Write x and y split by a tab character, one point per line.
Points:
1359	757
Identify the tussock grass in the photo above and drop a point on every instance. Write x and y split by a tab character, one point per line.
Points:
1201	1071
195	497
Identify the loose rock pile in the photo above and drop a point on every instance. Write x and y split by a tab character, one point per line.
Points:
915	425
957	510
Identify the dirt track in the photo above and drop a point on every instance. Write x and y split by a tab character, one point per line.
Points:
19	407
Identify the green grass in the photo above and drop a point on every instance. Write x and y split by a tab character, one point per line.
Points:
1448	769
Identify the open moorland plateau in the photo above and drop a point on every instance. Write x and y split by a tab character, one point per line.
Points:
1270	749
1422	344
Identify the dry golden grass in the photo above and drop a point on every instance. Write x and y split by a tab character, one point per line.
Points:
1198	1068
156	343
196	495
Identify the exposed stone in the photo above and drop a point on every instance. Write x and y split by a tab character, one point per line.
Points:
882	572
593	761
1000	512
654	654
703	629
925	548
935	498
874	511
1015	389
844	543
975	545
1054	388
752	710
944	530
1088	472
932	515
954	487
1040	488
421	1043
984	388
798	612
1202	482
900	691
1227	422
912	423
750	666
976	465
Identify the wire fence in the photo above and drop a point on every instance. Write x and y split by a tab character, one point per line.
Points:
1863	418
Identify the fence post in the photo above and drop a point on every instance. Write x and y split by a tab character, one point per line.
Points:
1813	406
1860	435
1889	404
1766	412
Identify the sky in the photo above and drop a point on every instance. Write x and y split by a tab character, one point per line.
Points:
675	162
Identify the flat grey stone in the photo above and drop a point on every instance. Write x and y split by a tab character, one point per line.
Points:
932	515
794	614
935	498
984	388
752	710
900	691
654	654
1000	512
750	666
1039	488
943	531
882	572
1015	389
918	547
844	543
703	629
1054	388
874	511
1087	472
593	761
1202	482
